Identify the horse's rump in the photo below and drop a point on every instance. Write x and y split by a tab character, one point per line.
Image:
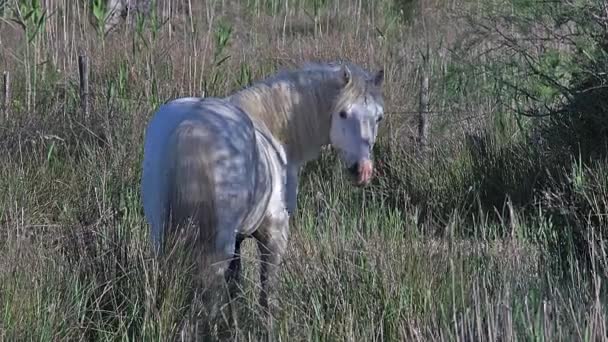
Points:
191	208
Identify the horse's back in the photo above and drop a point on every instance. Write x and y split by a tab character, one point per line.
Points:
201	151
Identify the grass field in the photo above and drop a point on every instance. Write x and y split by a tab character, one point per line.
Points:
497	233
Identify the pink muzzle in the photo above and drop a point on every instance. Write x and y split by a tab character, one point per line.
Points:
365	171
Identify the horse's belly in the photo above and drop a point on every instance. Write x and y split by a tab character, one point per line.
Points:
237	199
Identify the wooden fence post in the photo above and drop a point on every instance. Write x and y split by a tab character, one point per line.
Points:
6	92
83	73
423	115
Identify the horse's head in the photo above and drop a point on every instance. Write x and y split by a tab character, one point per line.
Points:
355	119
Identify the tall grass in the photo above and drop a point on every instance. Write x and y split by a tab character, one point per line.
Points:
493	237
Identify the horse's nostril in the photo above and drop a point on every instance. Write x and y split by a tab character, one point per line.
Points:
354	169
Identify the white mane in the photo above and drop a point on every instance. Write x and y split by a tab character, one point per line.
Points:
295	105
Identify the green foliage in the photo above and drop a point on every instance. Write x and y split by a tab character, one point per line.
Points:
405	9
245	76
560	83
270	7
30	15
317	6
222	36
100	14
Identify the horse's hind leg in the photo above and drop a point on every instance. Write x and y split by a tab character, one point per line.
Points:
272	242
233	273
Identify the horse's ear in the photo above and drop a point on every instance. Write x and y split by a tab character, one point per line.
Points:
379	77
346	75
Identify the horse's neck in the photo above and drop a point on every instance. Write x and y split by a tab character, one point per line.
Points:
297	120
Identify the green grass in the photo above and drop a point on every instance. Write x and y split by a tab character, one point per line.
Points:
491	237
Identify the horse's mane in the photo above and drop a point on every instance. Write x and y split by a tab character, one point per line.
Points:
295	104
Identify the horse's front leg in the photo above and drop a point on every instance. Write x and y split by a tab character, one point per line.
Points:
291	187
272	242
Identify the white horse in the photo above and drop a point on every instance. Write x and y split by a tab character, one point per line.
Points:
230	166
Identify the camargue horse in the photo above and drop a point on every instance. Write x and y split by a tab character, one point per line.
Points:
228	168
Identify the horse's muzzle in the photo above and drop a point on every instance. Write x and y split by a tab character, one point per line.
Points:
362	171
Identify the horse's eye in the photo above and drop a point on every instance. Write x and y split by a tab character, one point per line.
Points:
342	114
379	119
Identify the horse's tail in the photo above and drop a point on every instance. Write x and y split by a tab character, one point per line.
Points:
191	206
